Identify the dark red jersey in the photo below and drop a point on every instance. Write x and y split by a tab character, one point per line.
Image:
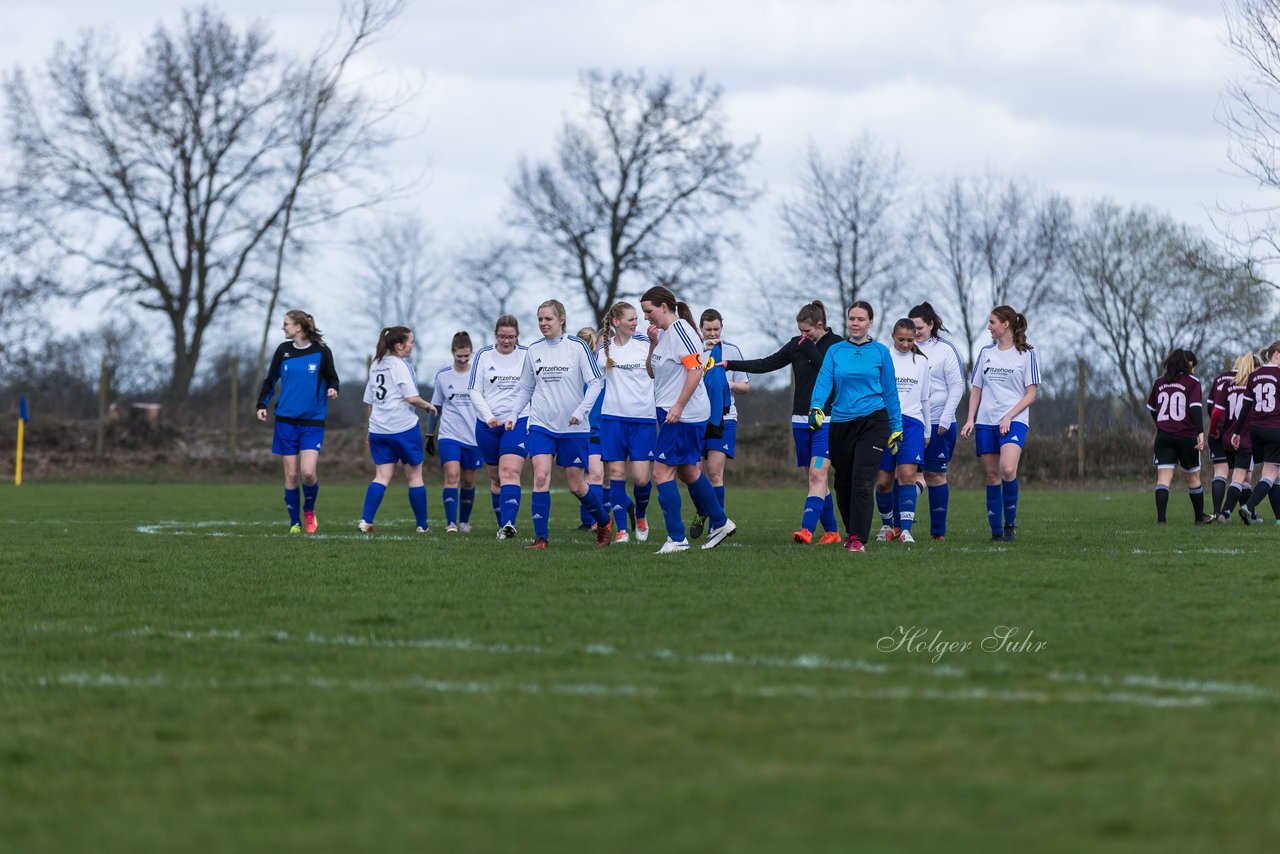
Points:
1263	390
1176	405
1231	400
1218	388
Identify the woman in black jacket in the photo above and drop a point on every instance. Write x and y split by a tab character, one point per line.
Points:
804	354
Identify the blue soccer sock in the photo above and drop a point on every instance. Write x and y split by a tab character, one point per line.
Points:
884	503
643	492
669	501
584	515
994	497
496	499
618	497
907	506
466	504
812	513
509	509
1011	502
939	499
704	495
372	499
719	490
540	504
828	520
291	504
418	501
309	494
590	501
449	495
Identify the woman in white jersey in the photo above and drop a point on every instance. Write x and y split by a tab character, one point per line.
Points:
556	369
721	441
394	435
494	386
597	480
675	363
1005	378
456	432
946	388
912	369
628	428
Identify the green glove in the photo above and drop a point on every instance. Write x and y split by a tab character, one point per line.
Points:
816	418
895	439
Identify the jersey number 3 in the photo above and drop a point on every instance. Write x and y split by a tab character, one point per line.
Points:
380	381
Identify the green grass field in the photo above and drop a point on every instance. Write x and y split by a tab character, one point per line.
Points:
180	674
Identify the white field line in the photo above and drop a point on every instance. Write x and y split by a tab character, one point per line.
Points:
805	662
596	689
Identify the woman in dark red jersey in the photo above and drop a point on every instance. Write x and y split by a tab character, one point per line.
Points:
1219	388
1226	423
1262	402
1176	407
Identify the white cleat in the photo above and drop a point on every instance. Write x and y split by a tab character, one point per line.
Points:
465	527
421	530
365	527
451	528
673	546
905	537
642	530
716	536
885	535
622	537
508	532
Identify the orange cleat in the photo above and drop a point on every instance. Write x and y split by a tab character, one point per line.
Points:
604	535
803	536
537	545
830	538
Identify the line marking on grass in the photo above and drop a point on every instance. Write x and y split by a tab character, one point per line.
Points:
80	679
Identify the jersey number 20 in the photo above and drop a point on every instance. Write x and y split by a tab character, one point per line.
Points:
1173	406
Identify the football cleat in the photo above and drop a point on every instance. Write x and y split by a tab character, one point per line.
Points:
1246	516
622	537
696	525
365	527
465	527
1010	533
583	526
905	537
716	536
997	537
539	545
853	544
295	529
886	534
673	546
642	530
803	536
508	531
631	517
938	538
421	530
1206	520
451	528
1224	518
830	538
604	535
309	521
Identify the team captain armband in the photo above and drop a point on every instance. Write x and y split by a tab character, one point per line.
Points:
692	362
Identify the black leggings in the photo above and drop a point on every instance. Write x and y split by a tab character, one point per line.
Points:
856	449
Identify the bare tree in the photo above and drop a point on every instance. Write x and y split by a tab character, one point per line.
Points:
398	275
992	241
637	190
845	229
487	283
168	178
1141	284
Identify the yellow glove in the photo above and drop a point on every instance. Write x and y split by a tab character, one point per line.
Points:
816	418
895	439
709	363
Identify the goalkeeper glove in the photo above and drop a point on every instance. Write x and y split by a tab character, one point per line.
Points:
431	446
895	439
816	418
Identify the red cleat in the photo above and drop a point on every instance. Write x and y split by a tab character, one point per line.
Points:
604	535
853	544
309	522
537	545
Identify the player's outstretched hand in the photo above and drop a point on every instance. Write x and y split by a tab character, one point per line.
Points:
816	418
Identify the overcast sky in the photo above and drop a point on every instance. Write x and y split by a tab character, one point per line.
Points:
1089	97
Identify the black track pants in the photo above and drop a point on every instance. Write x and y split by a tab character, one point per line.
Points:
856	449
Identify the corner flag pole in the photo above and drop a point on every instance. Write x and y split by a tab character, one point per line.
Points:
22	423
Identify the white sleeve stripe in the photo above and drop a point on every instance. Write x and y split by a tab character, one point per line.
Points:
1035	369
684	337
591	359
475	365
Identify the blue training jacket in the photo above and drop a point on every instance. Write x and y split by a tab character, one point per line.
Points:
305	376
863	378
717	384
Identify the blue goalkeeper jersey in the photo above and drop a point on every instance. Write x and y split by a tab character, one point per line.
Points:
305	375
863	379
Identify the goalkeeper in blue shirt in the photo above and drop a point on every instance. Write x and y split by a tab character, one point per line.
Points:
866	418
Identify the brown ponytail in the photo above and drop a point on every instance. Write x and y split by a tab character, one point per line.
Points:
813	313
389	338
308	324
1017	325
658	295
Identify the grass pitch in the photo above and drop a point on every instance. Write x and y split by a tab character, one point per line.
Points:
180	674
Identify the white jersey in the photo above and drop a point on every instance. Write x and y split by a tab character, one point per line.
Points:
732	353
457	414
391	381
678	342
1003	376
495	381
555	371
628	388
946	380
914	375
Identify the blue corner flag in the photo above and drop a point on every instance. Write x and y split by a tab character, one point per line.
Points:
22	408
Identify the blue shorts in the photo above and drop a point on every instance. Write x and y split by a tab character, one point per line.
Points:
988	440
389	448
810	443
453	451
910	451
937	454
571	450
725	444
678	444
289	439
627	440
495	442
